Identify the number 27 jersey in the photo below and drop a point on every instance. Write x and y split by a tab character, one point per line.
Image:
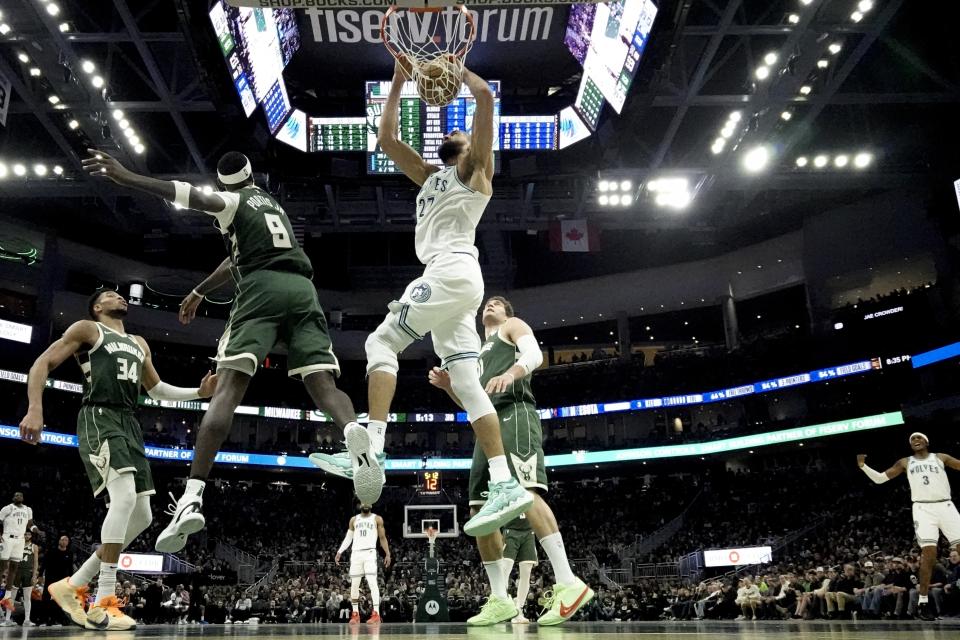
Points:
448	212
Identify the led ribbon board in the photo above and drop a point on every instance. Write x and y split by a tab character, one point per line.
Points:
575	458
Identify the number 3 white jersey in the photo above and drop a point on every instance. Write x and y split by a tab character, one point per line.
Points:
15	520
364	533
448	213
928	479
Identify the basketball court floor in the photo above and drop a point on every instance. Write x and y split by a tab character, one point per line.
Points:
762	630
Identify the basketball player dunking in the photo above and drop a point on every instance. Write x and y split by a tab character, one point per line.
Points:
509	356
365	530
16	519
115	366
443	302
933	508
275	302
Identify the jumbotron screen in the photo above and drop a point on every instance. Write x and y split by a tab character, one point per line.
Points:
421	126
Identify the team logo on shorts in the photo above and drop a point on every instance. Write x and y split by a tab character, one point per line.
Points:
420	292
526	468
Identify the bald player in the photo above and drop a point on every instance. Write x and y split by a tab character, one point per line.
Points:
933	508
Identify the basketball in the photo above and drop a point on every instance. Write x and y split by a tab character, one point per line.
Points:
439	80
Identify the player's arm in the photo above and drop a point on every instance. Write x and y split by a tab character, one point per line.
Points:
482	136
382	535
441	380
347	541
78	334
949	461
220	276
36	563
519	333
879	478
403	155
160	390
103	165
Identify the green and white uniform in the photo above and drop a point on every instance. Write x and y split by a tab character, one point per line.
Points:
519	541
26	568
109	435
276	301
520	426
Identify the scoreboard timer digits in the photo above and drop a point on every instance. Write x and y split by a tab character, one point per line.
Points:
429	483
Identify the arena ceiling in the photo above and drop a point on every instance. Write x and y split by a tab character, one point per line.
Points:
888	87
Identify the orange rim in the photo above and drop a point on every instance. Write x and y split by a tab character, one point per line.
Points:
393	9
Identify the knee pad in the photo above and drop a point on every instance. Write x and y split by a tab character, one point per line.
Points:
122	493
140	519
465	380
383	345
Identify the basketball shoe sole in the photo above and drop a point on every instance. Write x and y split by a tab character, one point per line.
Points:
368	477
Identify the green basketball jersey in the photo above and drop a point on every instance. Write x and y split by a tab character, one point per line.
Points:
111	370
496	358
259	237
28	555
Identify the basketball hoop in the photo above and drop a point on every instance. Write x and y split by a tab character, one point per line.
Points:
432	536
434	42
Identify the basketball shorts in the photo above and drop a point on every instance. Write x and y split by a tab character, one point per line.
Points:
522	436
12	548
363	563
930	518
111	443
443	302
274	307
26	574
520	545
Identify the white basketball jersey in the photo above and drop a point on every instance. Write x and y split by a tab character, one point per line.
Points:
365	533
448	213
928	479
15	519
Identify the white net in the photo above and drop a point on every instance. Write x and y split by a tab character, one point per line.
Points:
432	45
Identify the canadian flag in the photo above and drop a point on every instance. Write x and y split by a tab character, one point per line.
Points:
574	235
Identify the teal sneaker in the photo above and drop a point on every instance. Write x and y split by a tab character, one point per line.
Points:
338	464
506	501
563	602
495	610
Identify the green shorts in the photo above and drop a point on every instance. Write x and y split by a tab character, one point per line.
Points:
519	545
111	443
276	307
523	443
26	574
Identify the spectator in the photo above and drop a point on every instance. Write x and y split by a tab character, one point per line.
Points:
843	591
748	599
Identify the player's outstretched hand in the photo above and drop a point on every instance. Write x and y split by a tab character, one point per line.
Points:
439	378
104	165
499	384
861	459
208	385
31	427
188	308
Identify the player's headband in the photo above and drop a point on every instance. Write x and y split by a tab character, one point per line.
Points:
236	178
917	433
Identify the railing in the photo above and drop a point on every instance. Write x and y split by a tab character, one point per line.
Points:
655	570
266	579
646	544
245	564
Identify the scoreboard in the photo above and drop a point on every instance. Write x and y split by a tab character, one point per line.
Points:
421	126
428	483
338	134
532	133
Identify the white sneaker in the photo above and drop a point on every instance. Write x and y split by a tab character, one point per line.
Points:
520	619
186	518
368	477
29	623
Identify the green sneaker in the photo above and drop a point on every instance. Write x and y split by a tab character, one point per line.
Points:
495	610
339	464
506	501
563	602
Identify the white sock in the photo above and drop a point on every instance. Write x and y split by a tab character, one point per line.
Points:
498	584
27	604
356	606
923	600
507	565
377	430
553	546
85	573
107	582
195	487
13	595
499	471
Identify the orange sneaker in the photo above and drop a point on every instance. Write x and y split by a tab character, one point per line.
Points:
106	615
71	599
6	604
374	618
355	618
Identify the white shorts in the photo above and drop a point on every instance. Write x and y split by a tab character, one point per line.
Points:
12	548
930	518
363	563
443	302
